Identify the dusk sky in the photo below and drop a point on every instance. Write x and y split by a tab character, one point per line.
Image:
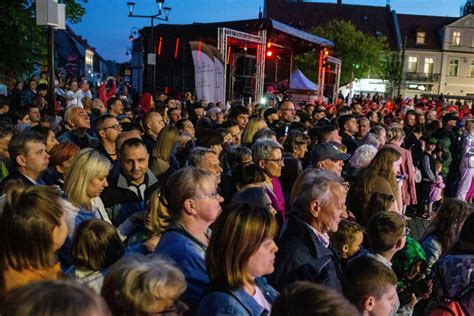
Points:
106	24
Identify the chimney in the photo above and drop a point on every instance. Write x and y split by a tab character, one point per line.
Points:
339	1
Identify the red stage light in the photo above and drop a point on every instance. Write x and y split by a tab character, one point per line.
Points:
269	53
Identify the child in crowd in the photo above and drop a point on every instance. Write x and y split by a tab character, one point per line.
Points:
96	246
371	286
436	192
310	299
348	239
428	174
378	202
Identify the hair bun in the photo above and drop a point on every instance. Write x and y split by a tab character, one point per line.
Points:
13	191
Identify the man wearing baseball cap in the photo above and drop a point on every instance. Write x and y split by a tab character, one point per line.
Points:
326	156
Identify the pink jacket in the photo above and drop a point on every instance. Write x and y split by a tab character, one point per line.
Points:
408	170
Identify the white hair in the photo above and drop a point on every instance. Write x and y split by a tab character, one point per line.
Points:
363	156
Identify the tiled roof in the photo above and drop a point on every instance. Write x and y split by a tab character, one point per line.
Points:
431	25
373	20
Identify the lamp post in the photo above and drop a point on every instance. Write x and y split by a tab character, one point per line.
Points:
162	11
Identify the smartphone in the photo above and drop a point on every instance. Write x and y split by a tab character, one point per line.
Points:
287	129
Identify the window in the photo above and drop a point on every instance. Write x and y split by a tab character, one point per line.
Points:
456	40
420	37
471	68
453	67
412	64
429	62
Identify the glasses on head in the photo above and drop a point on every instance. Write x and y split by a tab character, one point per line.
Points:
277	160
214	195
117	127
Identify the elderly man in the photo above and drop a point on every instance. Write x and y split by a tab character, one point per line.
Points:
267	155
207	159
305	252
326	156
76	123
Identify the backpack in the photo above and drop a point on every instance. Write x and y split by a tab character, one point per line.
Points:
453	306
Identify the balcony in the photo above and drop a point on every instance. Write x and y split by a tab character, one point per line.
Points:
422	77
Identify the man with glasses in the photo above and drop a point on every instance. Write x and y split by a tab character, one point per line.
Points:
206	159
76	124
286	114
107	129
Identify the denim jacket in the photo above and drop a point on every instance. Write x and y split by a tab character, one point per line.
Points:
188	254
237	302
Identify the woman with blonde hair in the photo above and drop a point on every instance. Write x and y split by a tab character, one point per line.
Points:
83	184
139	285
254	125
378	177
163	162
241	251
395	139
32	229
193	202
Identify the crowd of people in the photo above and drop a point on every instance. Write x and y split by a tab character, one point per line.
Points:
118	204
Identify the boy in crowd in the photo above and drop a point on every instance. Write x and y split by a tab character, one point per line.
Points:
347	240
370	286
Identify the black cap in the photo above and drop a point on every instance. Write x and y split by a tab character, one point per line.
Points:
327	151
269	112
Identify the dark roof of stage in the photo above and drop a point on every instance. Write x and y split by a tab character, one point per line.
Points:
298	40
373	20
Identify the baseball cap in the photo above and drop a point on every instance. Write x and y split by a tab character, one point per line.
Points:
327	151
269	112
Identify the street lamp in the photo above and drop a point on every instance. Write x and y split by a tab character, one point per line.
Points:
162	15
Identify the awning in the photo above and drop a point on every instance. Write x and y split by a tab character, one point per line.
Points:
285	28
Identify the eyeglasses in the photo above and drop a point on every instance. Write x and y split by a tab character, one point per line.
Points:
214	195
117	127
277	160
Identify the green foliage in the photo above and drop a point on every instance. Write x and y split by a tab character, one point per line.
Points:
391	70
359	52
25	43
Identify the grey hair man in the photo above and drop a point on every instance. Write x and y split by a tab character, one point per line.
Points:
207	159
305	252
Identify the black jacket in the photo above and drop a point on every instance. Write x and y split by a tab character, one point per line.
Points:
302	257
349	141
121	201
16	175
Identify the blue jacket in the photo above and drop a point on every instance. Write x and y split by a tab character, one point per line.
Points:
302	257
188	253
237	302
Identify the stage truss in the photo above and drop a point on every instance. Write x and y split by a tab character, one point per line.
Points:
260	39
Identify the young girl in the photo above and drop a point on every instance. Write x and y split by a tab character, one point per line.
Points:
436	193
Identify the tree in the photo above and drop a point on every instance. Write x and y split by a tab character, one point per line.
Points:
25	43
359	52
391	71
